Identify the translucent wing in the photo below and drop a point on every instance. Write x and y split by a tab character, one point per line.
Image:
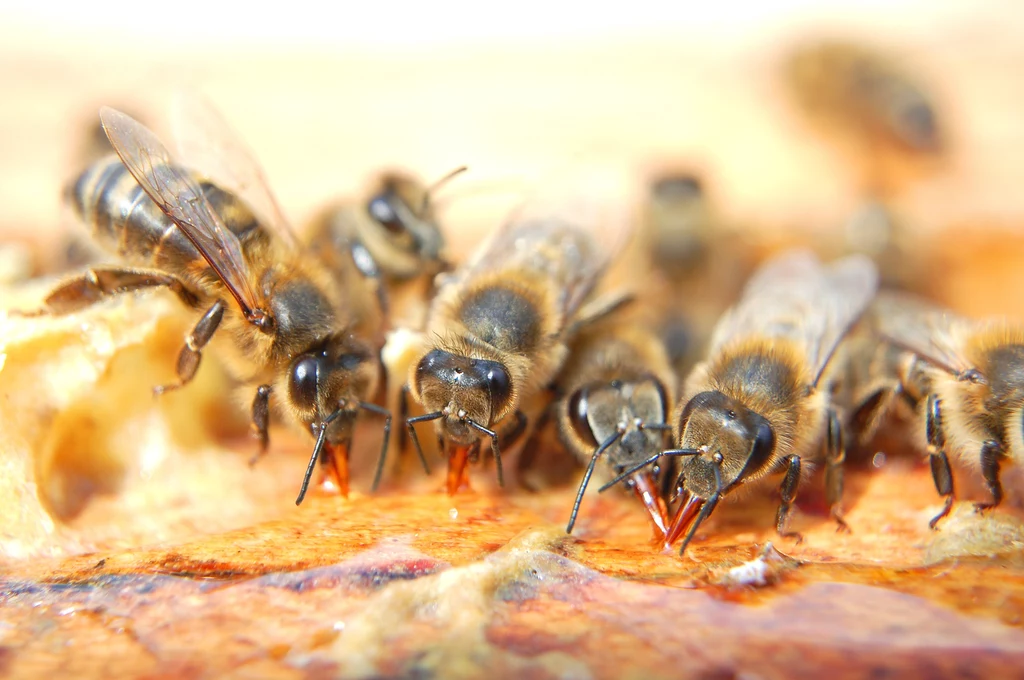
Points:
925	329
178	195
568	230
794	296
207	144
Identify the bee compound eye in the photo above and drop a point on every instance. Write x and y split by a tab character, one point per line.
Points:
764	442
381	210
578	417
305	379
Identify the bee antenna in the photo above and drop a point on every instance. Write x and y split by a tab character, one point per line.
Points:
440	183
409	423
494	447
321	440
650	461
373	408
586	477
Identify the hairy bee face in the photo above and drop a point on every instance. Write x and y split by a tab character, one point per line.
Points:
599	411
720	426
405	219
464	390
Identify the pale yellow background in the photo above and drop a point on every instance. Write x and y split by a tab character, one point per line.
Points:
509	89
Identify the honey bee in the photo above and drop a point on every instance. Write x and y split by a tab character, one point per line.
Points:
679	221
696	257
285	325
864	90
497	329
615	393
755	406
966	379
873	380
392	236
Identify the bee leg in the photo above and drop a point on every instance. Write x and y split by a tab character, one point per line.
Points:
403	433
98	283
373	408
511	435
508	437
788	493
369	268
991	457
835	458
192	351
260	421
403	415
941	474
529	452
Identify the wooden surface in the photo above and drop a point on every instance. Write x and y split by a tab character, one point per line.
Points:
138	542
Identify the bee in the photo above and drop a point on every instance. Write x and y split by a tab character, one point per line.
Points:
392	235
755	405
497	330
615	393
696	257
965	379
865	91
279	316
679	222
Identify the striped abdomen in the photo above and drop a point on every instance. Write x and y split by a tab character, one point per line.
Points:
125	221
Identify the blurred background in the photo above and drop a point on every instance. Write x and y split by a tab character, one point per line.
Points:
326	95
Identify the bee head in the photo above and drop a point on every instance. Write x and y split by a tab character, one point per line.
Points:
729	434
338	375
464	391
598	411
400	209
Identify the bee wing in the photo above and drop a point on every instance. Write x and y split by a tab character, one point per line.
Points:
925	329
795	296
208	144
570	227
178	195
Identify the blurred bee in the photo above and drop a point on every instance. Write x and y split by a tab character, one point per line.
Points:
614	396
288	326
679	222
698	259
866	91
392	236
755	406
497	330
965	379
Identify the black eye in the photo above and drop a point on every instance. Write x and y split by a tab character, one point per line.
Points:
499	385
305	378
383	211
578	417
764	442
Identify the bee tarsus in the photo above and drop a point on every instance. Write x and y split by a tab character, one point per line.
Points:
992	455
261	421
192	351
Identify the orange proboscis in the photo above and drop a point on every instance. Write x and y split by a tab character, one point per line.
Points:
644	487
458	469
689	506
337	457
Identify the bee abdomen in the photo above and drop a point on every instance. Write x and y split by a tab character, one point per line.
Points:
125	221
